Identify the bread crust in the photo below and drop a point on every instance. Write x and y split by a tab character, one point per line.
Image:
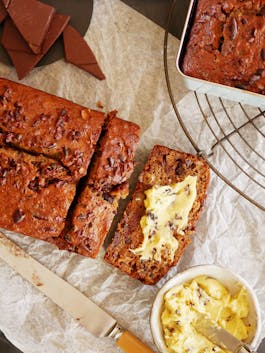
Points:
164	166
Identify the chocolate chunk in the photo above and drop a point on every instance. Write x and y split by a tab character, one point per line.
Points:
77	52
22	57
18	216
32	18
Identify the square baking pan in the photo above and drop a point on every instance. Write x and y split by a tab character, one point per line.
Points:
207	87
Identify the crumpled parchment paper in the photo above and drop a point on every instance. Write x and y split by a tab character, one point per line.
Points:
230	232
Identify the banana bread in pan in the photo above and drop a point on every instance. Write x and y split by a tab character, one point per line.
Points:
40	123
106	184
164	167
35	193
227	44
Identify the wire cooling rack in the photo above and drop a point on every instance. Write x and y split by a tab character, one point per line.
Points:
229	135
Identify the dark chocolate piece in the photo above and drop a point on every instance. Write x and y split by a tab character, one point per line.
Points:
32	18
80	12
22	57
3	12
78	52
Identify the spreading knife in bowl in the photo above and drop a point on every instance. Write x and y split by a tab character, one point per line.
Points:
220	336
80	307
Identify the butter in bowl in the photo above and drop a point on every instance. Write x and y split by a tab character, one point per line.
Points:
209	291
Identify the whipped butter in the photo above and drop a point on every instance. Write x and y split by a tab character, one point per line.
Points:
208	296
167	211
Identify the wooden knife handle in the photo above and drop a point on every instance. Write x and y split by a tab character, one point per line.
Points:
131	344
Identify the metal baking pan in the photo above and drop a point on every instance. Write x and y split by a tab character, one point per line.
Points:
207	87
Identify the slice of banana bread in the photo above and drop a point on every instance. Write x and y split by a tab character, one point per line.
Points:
140	253
107	183
35	192
37	122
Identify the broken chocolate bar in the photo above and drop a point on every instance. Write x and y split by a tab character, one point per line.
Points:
22	57
78	52
32	18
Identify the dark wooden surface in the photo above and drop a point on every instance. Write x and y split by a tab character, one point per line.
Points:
157	11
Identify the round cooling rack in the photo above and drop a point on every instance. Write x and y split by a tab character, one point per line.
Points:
229	135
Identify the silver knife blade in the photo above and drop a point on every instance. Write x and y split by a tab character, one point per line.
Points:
218	335
80	307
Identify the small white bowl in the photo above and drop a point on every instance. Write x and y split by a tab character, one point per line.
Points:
230	280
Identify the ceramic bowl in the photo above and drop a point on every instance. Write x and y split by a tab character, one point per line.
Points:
229	279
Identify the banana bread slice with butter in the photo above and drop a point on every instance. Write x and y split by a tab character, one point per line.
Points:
106	184
157	224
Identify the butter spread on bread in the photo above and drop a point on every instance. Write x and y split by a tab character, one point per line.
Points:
167	210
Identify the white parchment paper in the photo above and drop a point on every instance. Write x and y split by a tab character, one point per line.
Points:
230	232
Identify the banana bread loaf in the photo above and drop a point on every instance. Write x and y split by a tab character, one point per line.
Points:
35	194
107	183
159	220
227	44
38	122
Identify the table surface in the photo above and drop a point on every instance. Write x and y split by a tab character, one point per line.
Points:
157	11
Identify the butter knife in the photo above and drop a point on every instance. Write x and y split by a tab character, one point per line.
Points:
80	307
220	336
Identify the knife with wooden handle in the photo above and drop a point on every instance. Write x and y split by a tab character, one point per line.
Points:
81	308
220	336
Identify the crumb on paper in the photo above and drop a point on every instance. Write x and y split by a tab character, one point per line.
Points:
100	105
36	280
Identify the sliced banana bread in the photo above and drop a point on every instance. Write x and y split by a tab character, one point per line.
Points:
35	192
106	184
38	122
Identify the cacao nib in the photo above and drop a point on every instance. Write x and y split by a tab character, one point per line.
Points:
259	72
151	215
34	185
12	163
74	135
179	167
66	152
108	197
63	112
111	162
18	216
49	229
262	54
